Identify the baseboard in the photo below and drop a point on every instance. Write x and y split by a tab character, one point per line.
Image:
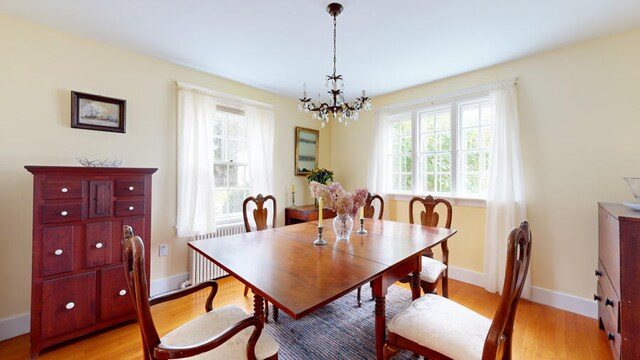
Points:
574	304
14	326
163	285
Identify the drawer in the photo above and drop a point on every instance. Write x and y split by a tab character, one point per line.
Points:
129	207
62	189
68	304
114	294
609	297
610	323
130	187
609	245
97	244
55	213
57	250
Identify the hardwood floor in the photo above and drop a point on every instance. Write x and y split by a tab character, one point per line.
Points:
541	332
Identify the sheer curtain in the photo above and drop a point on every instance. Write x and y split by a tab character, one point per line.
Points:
506	206
195	214
377	173
260	138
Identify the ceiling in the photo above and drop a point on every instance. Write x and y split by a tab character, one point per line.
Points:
383	45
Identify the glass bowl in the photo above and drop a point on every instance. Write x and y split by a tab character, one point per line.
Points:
634	185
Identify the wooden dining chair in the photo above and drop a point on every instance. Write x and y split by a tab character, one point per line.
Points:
216	334
369	212
439	328
260	215
432	269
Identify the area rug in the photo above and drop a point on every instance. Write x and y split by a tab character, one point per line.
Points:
340	330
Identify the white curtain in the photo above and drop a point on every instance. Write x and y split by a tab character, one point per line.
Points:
195	163
506	206
378	173
260	138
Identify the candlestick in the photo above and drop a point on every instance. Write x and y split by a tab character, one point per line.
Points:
320	212
361	230
292	189
362	212
319	240
293	199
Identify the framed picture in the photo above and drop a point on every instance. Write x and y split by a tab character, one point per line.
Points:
96	112
307	141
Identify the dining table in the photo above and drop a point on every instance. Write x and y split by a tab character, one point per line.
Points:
283	265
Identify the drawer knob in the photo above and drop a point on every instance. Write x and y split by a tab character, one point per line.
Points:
122	292
70	306
608	302
130	208
596	297
611	337
64	190
598	273
64	213
58	252
99	245
131	188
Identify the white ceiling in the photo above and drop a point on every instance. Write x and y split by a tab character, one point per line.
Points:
383	45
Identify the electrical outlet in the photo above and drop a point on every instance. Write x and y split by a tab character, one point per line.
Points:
164	250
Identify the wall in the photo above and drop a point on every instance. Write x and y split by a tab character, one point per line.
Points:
579	128
38	69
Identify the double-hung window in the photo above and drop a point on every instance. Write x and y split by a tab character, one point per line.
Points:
441	149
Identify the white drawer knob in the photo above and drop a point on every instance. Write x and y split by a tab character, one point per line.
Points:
70	306
130	188
64	213
99	245
64	190
58	252
122	292
130	208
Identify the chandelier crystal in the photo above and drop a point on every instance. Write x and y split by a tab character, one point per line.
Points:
336	106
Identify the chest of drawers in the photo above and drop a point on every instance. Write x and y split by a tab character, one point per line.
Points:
618	274
78	284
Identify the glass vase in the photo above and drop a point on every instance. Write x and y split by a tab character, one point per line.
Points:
342	225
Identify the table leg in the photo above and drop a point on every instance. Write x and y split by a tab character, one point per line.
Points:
379	292
258	307
415	285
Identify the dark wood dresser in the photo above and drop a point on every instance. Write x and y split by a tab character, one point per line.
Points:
78	284
304	213
618	293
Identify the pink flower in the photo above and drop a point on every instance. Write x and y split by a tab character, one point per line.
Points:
335	198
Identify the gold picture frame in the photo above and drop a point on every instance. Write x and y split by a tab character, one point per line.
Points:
307	147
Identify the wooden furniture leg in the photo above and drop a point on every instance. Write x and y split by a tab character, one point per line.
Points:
380	291
415	285
258	307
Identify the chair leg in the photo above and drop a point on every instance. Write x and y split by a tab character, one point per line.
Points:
266	310
445	286
358	297
276	311
246	290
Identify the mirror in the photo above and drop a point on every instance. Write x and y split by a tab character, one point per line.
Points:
307	141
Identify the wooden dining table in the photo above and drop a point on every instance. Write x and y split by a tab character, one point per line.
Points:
283	265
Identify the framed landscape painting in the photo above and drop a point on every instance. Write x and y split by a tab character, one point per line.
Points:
96	112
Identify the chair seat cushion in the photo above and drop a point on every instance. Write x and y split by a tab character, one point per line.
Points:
431	269
215	322
442	325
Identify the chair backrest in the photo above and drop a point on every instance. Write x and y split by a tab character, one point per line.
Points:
134	268
498	341
430	217
260	213
369	209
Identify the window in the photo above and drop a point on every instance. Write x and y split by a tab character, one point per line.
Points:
443	149
230	162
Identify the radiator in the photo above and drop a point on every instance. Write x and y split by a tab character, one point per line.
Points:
202	269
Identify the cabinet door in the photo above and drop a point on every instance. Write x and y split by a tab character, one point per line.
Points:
100	199
98	244
68	304
115	298
57	250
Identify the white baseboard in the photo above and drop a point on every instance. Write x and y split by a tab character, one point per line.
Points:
163	285
571	303
14	326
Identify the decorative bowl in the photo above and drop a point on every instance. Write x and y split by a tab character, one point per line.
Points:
634	185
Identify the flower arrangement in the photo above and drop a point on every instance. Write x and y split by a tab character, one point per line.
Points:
323	176
337	199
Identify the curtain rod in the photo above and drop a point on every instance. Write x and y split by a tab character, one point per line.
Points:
235	100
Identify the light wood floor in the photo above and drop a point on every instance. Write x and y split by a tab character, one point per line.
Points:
542	332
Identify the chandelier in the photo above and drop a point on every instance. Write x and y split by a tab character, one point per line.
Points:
336	105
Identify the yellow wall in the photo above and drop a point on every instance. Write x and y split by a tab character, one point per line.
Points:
38	69
580	127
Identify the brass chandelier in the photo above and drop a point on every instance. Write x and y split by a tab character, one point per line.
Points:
336	105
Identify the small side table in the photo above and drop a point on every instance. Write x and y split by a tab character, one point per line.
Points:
304	213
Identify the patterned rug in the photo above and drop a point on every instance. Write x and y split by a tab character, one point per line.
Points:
340	330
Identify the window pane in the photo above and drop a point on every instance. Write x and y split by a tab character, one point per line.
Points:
443	121
470	138
444	141
237	150
395	161
406	182
427	122
472	184
431	183
486	117
470	115
220	174
472	161
486	137
219	126
221	202
396	182
444	162
236	197
428	142
485	161
218	149
429	164
407	164
405	145
238	176
444	183
235	127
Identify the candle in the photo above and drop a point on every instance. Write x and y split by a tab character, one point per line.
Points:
320	213
362	212
292	190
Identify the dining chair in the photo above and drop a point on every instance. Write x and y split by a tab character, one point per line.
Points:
223	333
432	269
439	328
369	212
260	215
